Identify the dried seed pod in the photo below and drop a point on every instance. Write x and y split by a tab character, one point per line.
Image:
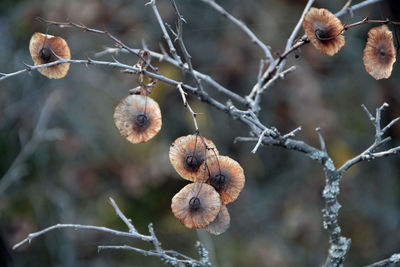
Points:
138	118
196	205
324	30
225	175
187	153
45	48
221	223
379	53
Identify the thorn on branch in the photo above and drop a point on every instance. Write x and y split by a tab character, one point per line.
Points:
27	66
260	138
292	133
371	118
123	217
390	124
321	140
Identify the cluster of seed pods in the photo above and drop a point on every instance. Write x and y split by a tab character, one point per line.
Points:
137	117
324	30
217	181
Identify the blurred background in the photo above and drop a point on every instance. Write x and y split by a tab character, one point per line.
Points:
59	143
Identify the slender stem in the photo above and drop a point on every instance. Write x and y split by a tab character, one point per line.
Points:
394	260
168	256
259	92
185	52
295	31
122	216
203	77
260	138
321	140
280	62
243	27
106	33
186	104
15	171
172	49
82	227
355	7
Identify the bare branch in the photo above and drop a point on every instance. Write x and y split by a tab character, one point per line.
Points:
339	245
122	216
106	33
39	135
370	154
393	261
387	127
186	104
186	55
292	133
281	61
371	118
203	77
162	255
82	227
295	31
243	27
168	256
260	138
172	49
298	26
321	139
255	105
351	9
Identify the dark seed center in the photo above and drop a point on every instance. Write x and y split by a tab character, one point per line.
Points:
192	162
141	120
194	204
382	52
45	54
218	181
321	34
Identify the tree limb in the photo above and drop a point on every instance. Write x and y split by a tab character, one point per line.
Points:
168	256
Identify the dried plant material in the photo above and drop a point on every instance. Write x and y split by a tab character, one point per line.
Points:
379	53
187	153
196	205
221	223
324	30
225	175
138	118
45	48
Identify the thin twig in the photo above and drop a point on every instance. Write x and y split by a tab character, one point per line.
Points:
172	49
259	91
162	255
82	227
179	39
243	27
122	216
260	138
351	9
387	127
393	261
203	77
186	104
292	133
295	31
369	153
281	61
15	171
168	256
321	139
106	33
